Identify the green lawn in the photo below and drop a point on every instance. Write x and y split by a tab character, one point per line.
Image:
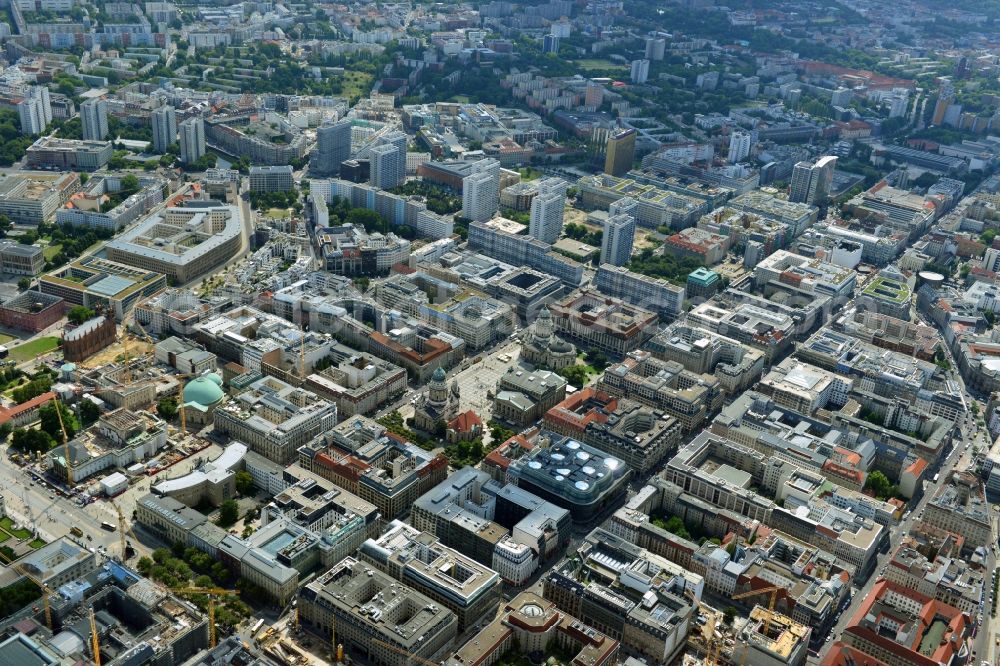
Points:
4	536
8	525
51	251
356	84
278	213
34	348
4	338
598	64
37	543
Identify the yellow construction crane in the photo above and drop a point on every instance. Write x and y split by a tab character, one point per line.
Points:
712	647
212	592
95	643
773	591
123	527
399	650
62	426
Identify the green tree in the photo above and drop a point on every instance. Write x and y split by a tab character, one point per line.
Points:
32	440
53	417
5	431
729	614
229	513
244	483
879	484
167	408
79	314
24	284
89	412
575	375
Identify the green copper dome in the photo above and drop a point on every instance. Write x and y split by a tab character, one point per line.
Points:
203	390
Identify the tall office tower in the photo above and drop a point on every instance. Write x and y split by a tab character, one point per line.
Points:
94	118
41	93
550	44
388	166
547	210
811	182
192	139
164	128
739	146
333	147
616	244
640	71
481	191
656	48
620	152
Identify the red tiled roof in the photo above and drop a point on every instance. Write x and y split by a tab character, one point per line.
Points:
6	414
465	422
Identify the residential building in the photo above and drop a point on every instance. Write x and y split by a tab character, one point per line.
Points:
811	182
616	243
164	121
388	166
94	118
192	140
481	191
739	146
547	210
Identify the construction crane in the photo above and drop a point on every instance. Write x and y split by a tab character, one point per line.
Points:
123	527
212	592
95	643
712	648
399	650
773	591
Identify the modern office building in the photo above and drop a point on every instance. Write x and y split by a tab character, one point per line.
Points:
94	118
664	297
573	475
620	153
164	121
34	110
274	418
20	259
96	282
547	210
181	243
375	617
595	321
192	139
494	240
68	154
333	147
35	199
616	243
419	560
272	178
811	182
481	191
